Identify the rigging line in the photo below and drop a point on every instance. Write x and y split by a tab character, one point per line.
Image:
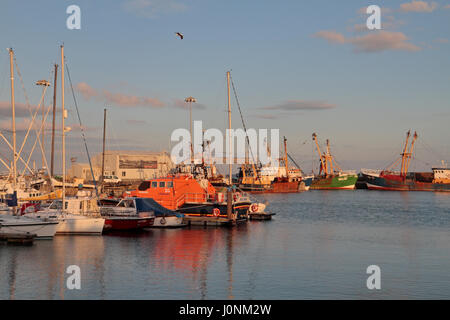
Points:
25	93
82	130
292	159
242	119
23	85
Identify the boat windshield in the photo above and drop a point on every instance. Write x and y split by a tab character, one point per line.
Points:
126	204
56	205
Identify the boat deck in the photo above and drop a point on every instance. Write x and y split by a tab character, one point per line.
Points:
211	221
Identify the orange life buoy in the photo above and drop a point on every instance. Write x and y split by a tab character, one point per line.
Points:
254	207
216	212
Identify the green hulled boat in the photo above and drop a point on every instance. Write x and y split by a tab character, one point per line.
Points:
329	178
337	181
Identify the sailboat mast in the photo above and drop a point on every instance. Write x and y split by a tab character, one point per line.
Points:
63	131
103	152
230	180
11	57
53	123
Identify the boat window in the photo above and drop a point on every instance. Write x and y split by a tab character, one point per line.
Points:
144	185
162	184
170	184
154	184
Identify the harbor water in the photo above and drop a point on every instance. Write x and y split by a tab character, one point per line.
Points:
318	246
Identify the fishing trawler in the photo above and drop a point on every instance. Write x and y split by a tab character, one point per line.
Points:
388	179
273	180
329	178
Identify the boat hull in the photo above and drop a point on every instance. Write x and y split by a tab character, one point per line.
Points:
207	210
168	222
80	226
278	187
127	223
42	229
334	183
397	183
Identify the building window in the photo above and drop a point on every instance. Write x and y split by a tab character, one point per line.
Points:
113	173
124	173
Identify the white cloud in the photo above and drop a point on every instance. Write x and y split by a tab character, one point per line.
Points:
418	6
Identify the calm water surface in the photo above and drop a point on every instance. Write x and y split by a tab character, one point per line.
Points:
317	247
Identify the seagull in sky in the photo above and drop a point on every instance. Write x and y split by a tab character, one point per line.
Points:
179	35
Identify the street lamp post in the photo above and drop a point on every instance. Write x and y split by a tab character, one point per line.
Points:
44	84
190	100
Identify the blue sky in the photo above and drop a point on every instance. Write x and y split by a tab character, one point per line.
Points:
288	60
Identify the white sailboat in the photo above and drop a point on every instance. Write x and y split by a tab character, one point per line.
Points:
81	216
76	215
14	223
43	229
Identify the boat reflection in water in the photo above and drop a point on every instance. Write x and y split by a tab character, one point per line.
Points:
199	256
40	272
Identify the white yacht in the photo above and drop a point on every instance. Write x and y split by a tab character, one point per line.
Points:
43	229
81	215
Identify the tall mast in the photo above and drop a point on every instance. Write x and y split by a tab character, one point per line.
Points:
103	153
53	123
190	100
402	169
320	154
63	131
285	158
329	159
230	180
11	57
230	214
408	160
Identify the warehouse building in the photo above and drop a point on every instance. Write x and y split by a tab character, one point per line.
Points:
126	165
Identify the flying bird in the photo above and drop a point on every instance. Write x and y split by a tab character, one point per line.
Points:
180	35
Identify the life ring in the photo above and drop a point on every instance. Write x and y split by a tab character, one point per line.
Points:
216	212
162	221
254	207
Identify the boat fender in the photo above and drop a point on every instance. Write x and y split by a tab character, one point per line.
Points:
301	186
216	212
162	221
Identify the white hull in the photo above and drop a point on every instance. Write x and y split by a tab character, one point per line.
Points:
87	226
168	222
72	223
42	229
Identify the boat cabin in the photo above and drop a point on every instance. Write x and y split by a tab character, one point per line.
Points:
441	175
175	190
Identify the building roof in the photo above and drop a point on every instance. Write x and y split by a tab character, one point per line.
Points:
134	152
